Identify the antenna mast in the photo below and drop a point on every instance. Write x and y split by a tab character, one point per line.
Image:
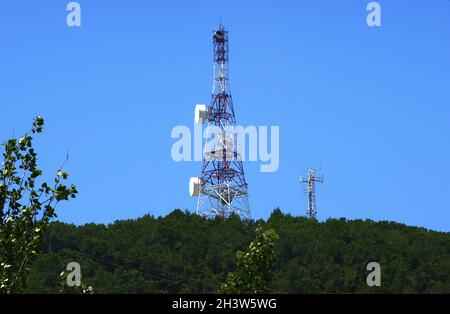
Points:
310	180
221	189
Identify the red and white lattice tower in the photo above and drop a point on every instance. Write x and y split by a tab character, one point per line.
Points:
221	189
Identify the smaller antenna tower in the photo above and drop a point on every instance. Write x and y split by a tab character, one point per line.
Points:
310	181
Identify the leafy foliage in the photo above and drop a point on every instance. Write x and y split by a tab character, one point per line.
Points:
26	208
184	253
253	268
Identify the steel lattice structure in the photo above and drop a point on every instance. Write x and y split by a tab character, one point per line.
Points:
310	181
222	188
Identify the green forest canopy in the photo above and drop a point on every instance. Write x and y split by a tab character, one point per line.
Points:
185	253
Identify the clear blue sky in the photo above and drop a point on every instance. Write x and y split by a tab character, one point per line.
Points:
371	107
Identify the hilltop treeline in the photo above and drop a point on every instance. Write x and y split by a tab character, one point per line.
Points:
184	253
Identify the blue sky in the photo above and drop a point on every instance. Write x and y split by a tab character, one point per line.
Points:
369	106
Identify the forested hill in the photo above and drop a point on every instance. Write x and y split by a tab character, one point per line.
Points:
184	253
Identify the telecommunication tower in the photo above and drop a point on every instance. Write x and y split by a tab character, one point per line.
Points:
310	180
221	190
